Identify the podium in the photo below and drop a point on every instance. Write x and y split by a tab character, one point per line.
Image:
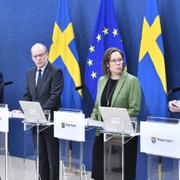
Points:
159	139
35	122
31	148
69	127
119	129
4	128
70	163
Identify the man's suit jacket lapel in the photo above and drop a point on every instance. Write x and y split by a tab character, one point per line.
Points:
119	86
33	81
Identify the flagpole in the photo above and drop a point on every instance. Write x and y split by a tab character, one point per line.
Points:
72	78
70	156
159	168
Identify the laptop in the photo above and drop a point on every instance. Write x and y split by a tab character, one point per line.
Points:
116	120
33	112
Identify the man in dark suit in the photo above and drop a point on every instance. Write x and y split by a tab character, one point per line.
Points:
44	83
1	88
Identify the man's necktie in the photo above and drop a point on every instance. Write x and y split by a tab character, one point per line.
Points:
38	85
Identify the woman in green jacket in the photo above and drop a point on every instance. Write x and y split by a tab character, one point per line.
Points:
116	88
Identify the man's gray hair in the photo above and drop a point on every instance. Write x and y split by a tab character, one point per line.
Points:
39	45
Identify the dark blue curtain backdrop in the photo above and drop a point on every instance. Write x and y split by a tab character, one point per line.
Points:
23	23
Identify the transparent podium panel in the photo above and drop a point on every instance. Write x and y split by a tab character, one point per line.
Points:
31	150
71	160
3	156
4	128
160	140
114	155
6	166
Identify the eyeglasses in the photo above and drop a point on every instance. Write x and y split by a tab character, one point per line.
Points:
39	55
115	61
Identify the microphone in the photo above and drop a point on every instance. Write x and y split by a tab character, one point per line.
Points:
7	83
79	87
174	90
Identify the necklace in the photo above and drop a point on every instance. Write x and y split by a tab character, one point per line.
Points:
109	92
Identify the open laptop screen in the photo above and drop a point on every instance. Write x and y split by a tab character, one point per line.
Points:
116	120
33	112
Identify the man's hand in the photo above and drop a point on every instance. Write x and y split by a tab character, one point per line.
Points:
174	106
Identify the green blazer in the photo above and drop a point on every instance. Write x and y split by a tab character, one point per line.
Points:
126	95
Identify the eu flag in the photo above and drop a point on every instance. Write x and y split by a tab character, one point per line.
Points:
152	76
106	34
63	53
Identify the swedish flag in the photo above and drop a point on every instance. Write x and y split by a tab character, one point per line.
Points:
106	34
63	53
151	68
152	76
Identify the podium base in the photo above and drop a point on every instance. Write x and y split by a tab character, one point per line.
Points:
72	171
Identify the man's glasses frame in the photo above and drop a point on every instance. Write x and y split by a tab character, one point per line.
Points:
39	55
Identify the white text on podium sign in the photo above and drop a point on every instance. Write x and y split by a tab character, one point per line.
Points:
69	125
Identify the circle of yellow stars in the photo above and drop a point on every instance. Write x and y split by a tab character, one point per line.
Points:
105	32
